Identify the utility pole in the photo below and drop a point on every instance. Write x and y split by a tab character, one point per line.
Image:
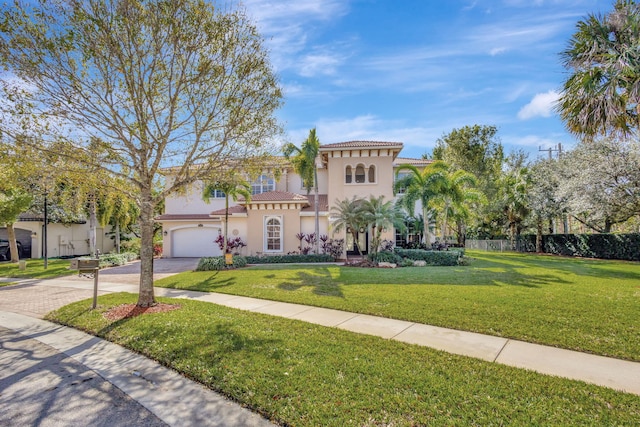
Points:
557	148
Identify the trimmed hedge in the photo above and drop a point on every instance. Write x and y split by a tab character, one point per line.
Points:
605	246
289	259
447	258
112	260
219	263
385	256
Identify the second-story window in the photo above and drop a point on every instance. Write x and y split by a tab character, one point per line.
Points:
263	184
359	174
348	175
372	173
217	194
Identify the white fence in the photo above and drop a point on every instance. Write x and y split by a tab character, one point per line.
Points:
489	245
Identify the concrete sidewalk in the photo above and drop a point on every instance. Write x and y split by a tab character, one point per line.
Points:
607	372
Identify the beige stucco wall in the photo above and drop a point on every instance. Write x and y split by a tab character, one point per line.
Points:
256	226
65	240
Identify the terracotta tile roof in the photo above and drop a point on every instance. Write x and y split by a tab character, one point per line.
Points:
182	217
323	203
278	196
362	144
410	161
232	210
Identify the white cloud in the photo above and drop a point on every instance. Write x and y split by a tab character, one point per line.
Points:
541	105
497	51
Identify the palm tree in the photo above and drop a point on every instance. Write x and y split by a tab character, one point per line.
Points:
378	215
304	163
513	195
232	186
602	95
420	186
348	214
455	191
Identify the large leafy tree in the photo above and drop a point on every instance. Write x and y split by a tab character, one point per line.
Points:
602	93
600	182
475	149
174	84
420	186
304	163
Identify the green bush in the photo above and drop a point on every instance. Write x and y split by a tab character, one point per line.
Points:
219	263
447	258
605	246
112	260
385	256
289	259
131	245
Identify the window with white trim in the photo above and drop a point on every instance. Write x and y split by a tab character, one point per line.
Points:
217	194
372	173
263	184
348	175
273	234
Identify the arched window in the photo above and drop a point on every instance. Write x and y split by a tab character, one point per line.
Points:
372	173
360	174
347	175
273	234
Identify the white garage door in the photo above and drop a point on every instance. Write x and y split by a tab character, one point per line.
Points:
195	242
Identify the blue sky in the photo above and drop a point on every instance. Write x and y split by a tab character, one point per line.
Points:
413	70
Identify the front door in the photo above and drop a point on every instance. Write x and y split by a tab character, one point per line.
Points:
362	240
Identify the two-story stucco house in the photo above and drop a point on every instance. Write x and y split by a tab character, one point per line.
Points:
279	209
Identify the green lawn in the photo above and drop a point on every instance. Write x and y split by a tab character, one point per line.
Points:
579	304
35	269
300	374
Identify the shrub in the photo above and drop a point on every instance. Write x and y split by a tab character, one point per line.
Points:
385	256
219	263
288	259
605	246
112	260
131	245
448	258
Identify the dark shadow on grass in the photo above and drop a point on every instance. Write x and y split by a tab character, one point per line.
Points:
321	282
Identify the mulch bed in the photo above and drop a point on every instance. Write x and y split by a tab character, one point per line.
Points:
125	311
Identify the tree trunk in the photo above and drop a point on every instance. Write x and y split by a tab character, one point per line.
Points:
539	235
444	221
13	245
117	236
145	296
93	225
226	225
425	220
316	199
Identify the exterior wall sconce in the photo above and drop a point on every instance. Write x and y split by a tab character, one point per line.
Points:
165	232
200	225
34	234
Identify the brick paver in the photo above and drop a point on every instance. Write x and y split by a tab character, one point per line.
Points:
36	301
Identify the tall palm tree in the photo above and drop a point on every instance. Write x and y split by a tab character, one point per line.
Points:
513	195
348	214
304	163
420	186
602	95
232	186
455	191
378	215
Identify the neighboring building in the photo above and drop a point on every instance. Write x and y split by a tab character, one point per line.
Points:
63	240
280	209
